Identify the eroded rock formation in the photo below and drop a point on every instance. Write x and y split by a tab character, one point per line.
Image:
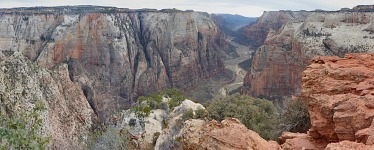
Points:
229	134
117	55
293	38
68	116
340	95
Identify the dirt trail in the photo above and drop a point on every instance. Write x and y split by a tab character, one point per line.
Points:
233	64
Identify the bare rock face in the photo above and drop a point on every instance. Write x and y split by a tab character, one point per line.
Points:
229	134
297	141
348	145
340	94
168	138
115	57
294	38
68	116
274	73
255	34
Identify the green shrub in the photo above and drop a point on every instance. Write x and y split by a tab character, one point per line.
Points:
258	115
178	139
187	115
295	116
108	138
200	113
154	101
132	122
176	97
22	131
142	109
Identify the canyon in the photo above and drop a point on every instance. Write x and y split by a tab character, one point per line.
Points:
339	93
89	64
286	41
113	54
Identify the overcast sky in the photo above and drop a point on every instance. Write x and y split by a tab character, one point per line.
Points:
250	8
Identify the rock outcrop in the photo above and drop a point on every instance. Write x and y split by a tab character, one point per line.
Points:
340	95
117	54
161	129
229	134
293	38
68	116
297	141
170	136
348	145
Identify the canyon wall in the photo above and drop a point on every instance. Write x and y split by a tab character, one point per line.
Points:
68	116
294	38
117	55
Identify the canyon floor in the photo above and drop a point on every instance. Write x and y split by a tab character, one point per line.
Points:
227	82
232	64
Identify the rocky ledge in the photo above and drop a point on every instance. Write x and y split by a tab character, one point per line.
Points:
340	95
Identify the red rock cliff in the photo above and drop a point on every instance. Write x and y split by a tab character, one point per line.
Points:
340	95
278	64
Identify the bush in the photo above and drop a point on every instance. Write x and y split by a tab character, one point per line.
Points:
142	109
21	131
200	113
176	97
258	115
295	116
108	138
187	115
154	101
132	122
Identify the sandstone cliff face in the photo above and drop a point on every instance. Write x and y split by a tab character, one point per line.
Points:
68	116
117	56
340	95
299	36
255	35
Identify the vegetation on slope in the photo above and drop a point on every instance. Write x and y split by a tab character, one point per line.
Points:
22	131
294	117
154	101
256	114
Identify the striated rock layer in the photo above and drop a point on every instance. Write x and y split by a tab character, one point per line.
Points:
116	56
290	39
68	116
340	93
340	96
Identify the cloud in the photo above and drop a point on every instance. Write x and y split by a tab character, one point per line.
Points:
243	7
